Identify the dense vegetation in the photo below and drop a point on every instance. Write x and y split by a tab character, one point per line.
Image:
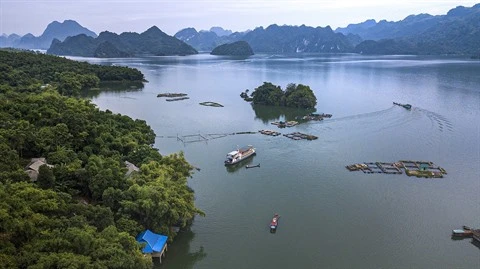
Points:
26	70
85	211
107	44
299	96
239	48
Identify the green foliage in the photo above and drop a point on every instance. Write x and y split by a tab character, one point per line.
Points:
268	94
85	211
23	69
159	202
143	154
46	178
299	96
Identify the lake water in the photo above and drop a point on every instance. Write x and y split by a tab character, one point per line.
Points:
330	217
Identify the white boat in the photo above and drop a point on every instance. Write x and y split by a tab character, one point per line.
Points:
239	155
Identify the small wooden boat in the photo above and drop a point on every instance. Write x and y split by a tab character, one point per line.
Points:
406	106
252	166
274	223
464	232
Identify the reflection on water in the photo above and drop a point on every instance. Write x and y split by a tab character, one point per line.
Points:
307	181
179	254
475	243
458	238
235	167
273	113
131	86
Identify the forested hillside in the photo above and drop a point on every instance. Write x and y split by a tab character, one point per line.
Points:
84	210
127	44
239	48
457	32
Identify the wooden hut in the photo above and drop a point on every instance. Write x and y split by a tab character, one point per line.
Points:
32	169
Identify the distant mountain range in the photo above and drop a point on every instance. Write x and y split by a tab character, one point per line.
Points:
457	32
297	39
54	30
203	40
273	39
108	44
219	31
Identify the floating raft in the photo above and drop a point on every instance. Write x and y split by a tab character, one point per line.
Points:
299	136
422	169
177	99
315	117
269	132
283	124
211	104
412	168
168	94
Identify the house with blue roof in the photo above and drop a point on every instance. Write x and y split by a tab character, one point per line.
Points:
155	244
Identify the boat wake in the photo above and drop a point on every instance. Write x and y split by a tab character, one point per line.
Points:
437	120
362	115
416	123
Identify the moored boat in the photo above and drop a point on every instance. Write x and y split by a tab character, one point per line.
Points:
465	232
274	223
239	155
252	166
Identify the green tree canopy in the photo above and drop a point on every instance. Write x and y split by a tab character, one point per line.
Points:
268	94
299	96
85	211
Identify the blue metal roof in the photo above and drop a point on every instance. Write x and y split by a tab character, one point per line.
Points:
155	242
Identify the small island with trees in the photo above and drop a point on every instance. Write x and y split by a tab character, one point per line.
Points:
298	96
239	48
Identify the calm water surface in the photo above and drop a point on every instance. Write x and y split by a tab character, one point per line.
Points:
330	217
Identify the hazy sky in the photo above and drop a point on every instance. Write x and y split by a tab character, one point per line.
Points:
33	16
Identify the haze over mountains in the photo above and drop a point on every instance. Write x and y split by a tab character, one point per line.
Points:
457	32
273	39
54	30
